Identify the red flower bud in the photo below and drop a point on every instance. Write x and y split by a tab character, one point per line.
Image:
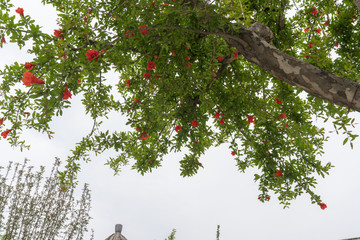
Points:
322	206
29	66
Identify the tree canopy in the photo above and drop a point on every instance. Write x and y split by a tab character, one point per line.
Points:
194	74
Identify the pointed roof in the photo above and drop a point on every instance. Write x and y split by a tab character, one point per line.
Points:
117	235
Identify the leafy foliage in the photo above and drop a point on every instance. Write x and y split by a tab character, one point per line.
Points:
177	70
172	235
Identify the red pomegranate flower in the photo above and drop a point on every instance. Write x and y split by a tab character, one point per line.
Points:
314	11
92	54
5	133
20	11
58	33
178	128
278	101
151	65
145	32
129	34
29	79
146	75
127	82
66	94
278	173
195	123
251	119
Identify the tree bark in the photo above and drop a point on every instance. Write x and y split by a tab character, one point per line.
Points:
357	3
316	81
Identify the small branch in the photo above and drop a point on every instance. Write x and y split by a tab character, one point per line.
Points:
93	127
226	61
13	29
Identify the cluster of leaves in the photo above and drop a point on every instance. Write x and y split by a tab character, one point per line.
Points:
173	232
172	235
181	86
30	209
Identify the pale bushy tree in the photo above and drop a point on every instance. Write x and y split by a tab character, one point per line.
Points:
36	207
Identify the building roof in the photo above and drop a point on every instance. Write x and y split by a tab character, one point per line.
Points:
117	235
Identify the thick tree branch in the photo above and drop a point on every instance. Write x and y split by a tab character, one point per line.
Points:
357	3
316	81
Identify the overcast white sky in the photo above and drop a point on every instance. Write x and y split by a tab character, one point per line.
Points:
150	206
